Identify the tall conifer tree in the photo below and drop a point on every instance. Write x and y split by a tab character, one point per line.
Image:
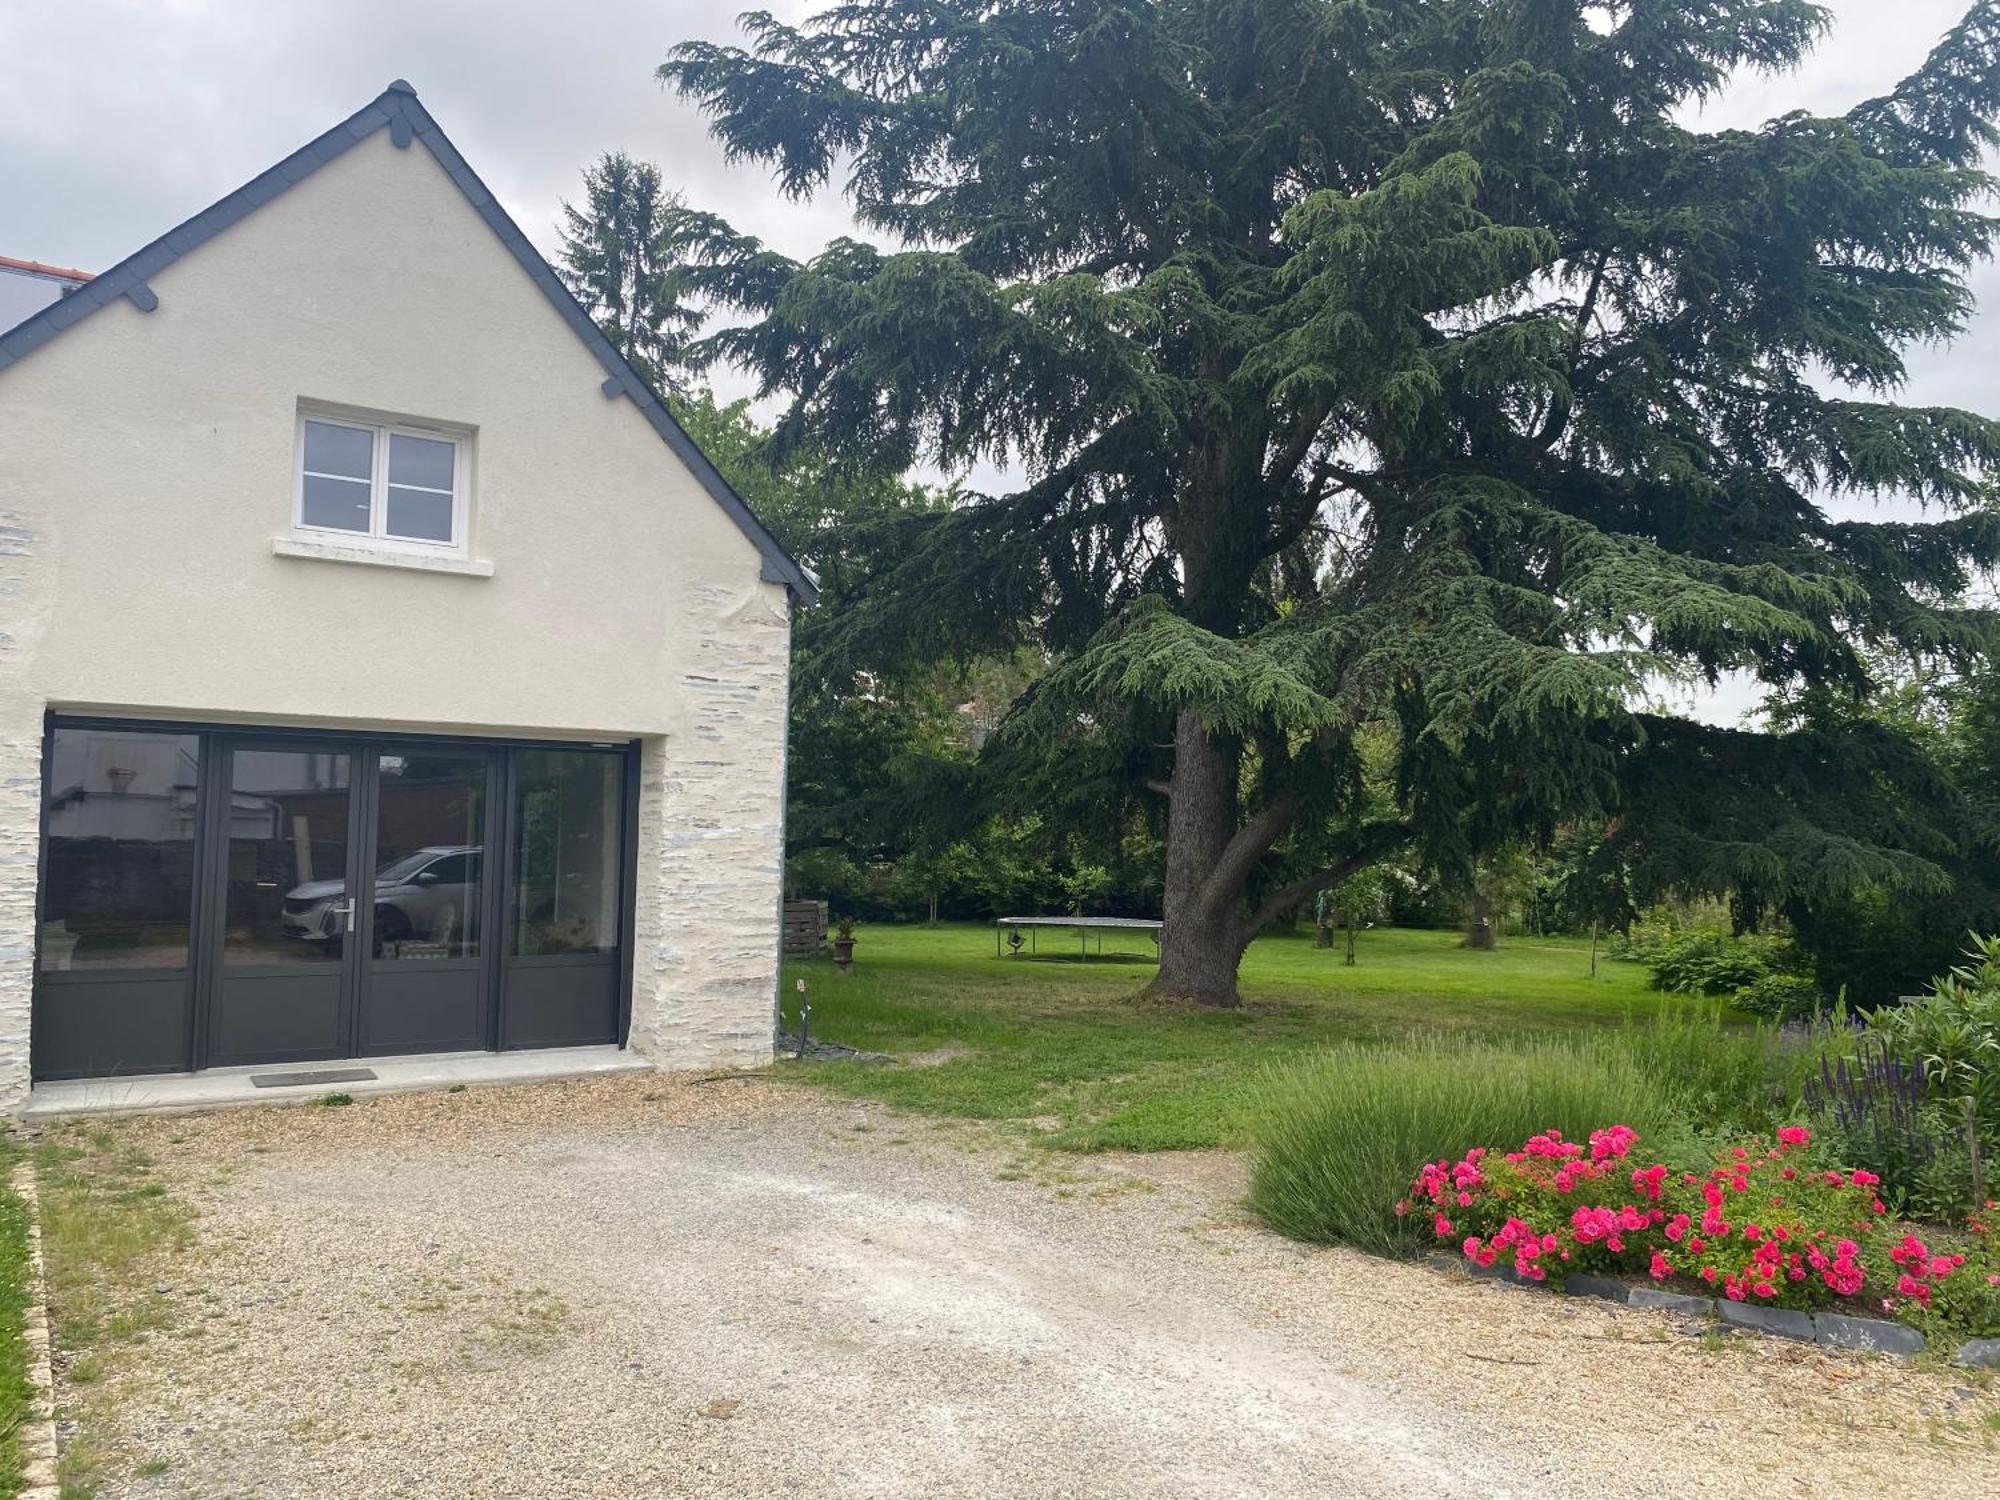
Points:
1404	369
619	254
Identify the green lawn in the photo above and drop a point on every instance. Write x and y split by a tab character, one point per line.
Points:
1067	1044
17	1393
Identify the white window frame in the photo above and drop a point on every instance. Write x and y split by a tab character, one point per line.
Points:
376	537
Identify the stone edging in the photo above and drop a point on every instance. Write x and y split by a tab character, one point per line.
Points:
1830	1330
38	1428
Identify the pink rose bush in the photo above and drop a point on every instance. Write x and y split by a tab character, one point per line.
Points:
1760	1225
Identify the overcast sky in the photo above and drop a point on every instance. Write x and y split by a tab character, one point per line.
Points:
120	118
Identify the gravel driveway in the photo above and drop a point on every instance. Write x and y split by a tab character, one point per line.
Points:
641	1287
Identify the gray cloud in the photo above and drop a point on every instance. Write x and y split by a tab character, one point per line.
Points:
119	118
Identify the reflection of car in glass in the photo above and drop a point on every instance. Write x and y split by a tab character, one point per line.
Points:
430	896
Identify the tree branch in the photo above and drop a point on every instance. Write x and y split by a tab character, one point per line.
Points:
1239	856
1559	409
1377	840
1294	452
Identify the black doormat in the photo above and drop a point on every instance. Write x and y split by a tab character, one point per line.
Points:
310	1080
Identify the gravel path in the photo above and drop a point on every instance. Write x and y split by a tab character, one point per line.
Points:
636	1287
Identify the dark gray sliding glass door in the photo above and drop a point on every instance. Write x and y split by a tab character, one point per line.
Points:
114	986
566	872
283	970
221	896
430	907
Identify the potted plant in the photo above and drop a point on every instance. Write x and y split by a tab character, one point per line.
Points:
843	943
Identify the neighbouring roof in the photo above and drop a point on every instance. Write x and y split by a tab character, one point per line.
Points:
398	110
28	286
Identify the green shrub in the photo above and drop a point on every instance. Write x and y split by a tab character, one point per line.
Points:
1342	1131
1892	1094
1781	998
1711	962
1953	1035
1871	1109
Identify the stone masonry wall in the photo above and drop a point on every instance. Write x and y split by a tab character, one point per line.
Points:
711	842
25	588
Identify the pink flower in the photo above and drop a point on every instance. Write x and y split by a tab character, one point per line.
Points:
1793	1135
1661	1268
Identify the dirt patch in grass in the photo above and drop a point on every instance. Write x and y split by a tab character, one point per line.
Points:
115	1243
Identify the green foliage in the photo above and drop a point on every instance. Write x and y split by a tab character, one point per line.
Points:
618	257
1361	898
1342	1131
1953	1033
17	1391
1892	1094
1705	960
1409	370
1874	941
1716	1076
1781	998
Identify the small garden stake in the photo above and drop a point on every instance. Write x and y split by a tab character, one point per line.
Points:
1972	1145
805	1017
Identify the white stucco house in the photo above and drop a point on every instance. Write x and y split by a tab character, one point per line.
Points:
383	673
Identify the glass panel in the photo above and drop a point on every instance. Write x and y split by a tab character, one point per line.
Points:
286	890
420	515
566	843
339	503
424	462
119	885
428	875
348	451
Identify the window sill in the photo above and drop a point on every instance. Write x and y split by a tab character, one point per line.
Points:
378	557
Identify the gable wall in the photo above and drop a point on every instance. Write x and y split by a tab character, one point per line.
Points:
146	467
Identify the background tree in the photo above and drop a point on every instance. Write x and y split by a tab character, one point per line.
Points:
618	256
879	764
1873	941
1358	901
1399	368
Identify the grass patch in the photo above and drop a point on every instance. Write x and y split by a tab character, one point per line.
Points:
17	1393
1067	1045
109	1232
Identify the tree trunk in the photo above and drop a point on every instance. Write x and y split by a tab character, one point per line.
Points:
1200	945
1480	933
1350	941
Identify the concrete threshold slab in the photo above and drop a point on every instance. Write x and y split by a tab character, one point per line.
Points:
232	1088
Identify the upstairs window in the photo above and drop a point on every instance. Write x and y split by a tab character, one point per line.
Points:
400	486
